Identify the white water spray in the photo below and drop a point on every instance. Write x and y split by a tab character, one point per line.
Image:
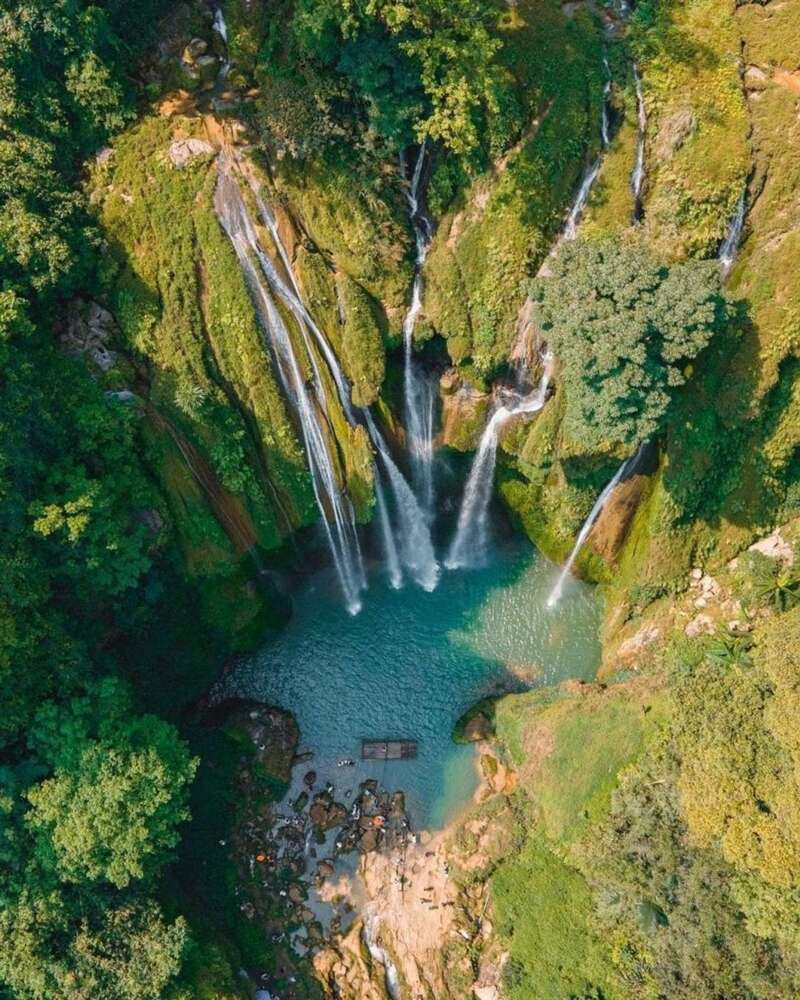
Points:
604	120
219	25
338	517
416	547
419	391
571	227
627	466
471	542
637	177
730	245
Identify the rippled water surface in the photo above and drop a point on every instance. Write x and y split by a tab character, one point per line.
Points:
411	663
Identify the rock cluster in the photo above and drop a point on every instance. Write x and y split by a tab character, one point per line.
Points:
89	330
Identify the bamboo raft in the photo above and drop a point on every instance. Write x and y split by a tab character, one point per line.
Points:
388	749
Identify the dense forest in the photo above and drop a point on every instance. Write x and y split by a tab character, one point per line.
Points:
156	489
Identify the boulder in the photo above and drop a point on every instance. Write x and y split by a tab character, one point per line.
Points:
182	151
464	411
196	48
89	329
325	868
477	728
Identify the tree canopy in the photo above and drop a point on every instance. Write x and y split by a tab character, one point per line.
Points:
624	328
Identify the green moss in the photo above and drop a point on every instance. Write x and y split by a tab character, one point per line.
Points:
362	350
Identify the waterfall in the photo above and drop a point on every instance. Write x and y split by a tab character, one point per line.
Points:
604	122
625	469
470	545
571	226
416	547
418	391
338	517
730	245
219	25
637	177
389	544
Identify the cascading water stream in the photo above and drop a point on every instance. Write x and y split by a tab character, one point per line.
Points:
418	391
470	545
605	134
571	226
638	174
730	245
337	512
625	469
570	230
416	547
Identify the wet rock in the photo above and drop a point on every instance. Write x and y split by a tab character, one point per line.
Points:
611	527
464	412
197	47
297	893
300	802
208	67
310	779
369	840
477	728
325	868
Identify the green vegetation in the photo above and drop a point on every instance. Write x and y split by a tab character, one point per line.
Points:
495	232
625	329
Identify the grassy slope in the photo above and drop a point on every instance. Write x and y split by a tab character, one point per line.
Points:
569	745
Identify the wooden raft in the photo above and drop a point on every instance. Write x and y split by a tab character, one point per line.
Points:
388	749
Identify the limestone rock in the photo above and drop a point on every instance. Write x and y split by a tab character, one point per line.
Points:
700	625
89	330
464	411
478	728
611	528
774	546
197	47
182	151
674	131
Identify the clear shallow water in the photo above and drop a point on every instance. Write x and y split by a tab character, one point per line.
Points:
412	662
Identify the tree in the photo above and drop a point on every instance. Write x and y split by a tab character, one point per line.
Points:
124	952
624	328
111	809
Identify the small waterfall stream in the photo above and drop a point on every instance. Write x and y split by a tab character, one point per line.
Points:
470	545
309	400
624	470
730	245
638	174
605	133
419	392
